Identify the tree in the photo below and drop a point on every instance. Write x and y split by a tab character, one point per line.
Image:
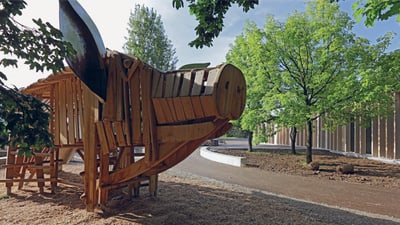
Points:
24	117
311	66
147	39
374	10
210	15
246	54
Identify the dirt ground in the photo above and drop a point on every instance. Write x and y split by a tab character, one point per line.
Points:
366	171
188	199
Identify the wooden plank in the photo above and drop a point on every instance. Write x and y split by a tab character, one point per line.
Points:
133	68
179	110
70	111
177	84
127	115
145	79
172	109
198	83
10	171
161	118
39	172
157	90
109	110
197	108
136	106
156	87
57	119
74	108
186	84
169	85
109	131
63	113
209	106
120	134
188	107
211	81
166	110
90	162
80	108
102	138
186	132
149	120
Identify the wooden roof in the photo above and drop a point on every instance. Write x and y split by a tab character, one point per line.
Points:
42	87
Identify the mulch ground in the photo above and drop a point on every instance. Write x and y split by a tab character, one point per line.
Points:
366	171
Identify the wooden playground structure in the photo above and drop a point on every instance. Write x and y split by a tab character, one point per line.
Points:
149	122
128	120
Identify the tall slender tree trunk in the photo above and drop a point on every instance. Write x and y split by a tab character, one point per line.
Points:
293	134
250	141
309	141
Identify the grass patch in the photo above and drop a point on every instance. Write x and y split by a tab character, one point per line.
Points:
4	196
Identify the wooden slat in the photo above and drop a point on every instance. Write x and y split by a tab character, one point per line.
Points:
208	105
80	108
158	108
102	138
133	68
149	122
127	117
211	80
179	109
70	111
155	91
90	162
109	131
63	113
172	109
177	84
198	83
74	107
119	91
169	85
186	85
136	122
166	110
109	111
197	108
56	115
120	134
187	107
186	132
157	84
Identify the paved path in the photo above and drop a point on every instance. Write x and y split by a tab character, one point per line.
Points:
358	197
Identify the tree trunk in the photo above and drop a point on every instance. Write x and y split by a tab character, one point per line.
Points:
309	141
293	133
250	141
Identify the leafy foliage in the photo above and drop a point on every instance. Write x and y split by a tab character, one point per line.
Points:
310	66
25	118
374	10
210	15
147	39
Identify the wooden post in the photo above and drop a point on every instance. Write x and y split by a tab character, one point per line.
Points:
375	137
382	137
396	147
90	117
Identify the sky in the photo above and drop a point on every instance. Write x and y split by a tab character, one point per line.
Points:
111	19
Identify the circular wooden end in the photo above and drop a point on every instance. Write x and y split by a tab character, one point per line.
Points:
231	92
